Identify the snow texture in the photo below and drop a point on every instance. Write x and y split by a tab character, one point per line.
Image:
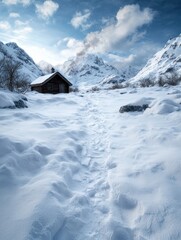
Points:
73	168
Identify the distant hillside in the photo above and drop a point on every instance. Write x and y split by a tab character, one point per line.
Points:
88	70
16	54
164	67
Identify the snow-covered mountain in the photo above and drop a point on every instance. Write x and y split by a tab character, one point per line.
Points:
164	67
90	70
16	54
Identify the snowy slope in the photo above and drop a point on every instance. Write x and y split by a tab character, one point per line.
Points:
73	168
89	70
164	65
17	54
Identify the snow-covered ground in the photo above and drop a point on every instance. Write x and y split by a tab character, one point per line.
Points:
73	168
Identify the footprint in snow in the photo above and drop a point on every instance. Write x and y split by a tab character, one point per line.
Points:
121	233
43	150
125	202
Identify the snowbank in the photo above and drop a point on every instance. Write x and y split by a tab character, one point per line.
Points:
12	100
164	106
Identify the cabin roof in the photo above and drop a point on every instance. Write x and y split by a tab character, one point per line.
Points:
43	79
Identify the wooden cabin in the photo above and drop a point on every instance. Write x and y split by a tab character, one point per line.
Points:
51	83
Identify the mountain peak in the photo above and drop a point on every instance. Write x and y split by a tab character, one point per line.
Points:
91	58
13	51
12	45
89	70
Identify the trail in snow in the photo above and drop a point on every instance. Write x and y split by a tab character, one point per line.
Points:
95	159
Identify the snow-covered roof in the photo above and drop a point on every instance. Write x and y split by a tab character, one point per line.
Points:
42	79
47	77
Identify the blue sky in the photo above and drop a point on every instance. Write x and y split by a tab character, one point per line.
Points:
122	31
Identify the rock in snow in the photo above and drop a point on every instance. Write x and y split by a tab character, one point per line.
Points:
133	108
138	106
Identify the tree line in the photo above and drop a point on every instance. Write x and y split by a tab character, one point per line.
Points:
11	77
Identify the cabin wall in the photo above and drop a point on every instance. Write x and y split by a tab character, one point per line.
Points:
55	85
37	89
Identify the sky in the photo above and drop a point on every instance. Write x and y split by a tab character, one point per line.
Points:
123	32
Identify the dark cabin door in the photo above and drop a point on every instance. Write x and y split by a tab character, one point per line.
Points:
62	88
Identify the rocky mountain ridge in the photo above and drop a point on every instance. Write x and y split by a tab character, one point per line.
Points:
164	67
13	52
89	70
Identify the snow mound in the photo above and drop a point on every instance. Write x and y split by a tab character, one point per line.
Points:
142	101
164	106
12	100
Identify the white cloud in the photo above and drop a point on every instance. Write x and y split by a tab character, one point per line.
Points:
14	2
72	42
4	25
21	29
16	33
22	32
105	21
124	31
129	20
137	57
47	9
10	2
73	45
19	23
80	19
37	52
58	43
122	60
14	15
